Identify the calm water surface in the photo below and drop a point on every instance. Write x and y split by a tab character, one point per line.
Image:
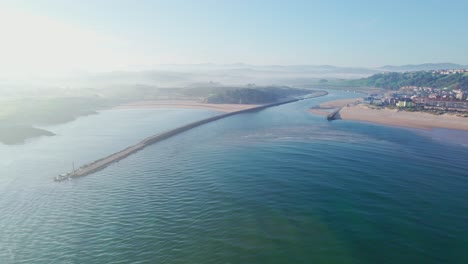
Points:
277	186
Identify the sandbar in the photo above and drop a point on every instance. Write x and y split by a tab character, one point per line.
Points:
189	104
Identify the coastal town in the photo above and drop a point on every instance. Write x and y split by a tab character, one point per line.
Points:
422	98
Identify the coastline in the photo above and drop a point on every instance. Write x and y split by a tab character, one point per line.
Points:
395	117
351	110
16	134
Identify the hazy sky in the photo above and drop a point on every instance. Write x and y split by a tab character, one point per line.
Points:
56	35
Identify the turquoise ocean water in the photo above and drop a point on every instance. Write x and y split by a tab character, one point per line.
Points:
278	186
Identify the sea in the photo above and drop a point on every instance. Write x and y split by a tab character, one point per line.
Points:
277	186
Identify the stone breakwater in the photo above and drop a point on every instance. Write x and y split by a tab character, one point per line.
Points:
106	161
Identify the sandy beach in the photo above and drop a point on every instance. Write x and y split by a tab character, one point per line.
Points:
191	104
395	117
351	110
327	107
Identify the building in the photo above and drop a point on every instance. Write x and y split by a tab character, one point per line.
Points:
378	102
461	96
368	100
404	102
446	104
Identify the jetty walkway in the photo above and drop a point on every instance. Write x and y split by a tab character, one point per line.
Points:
106	161
333	115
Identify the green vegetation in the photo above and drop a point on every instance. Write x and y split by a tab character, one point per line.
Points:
50	110
261	95
18	117
395	80
18	134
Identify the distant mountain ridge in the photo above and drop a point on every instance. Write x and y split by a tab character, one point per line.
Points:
186	75
313	67
423	67
396	80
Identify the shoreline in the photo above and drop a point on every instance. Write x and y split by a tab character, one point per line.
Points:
324	109
349	109
17	134
401	118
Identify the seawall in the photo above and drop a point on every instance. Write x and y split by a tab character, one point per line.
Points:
106	161
333	115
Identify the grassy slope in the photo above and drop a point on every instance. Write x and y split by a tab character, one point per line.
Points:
19	134
257	95
394	81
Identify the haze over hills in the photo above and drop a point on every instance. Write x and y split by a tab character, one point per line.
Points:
423	67
55	100
396	80
233	131
190	75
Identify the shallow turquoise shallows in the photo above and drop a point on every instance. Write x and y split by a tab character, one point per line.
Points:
278	186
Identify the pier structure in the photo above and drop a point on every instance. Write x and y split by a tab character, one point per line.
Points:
106	161
333	115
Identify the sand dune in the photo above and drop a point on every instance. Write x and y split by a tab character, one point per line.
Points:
191	104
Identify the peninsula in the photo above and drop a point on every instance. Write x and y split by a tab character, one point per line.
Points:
18	134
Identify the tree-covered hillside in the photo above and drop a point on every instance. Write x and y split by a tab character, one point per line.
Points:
255	95
395	80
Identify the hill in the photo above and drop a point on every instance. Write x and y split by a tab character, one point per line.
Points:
423	67
262	95
395	80
18	134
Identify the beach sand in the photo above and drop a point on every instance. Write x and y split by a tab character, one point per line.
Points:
195	104
328	107
351	110
190	104
395	117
